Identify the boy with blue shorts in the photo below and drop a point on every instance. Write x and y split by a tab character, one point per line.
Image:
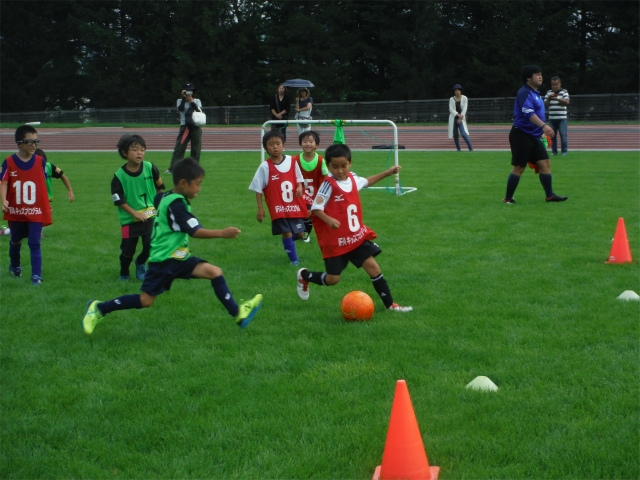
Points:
25	201
171	257
280	181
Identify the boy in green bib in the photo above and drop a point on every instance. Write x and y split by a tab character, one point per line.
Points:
171	257
133	188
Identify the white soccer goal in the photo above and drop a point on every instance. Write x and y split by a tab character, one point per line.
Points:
372	134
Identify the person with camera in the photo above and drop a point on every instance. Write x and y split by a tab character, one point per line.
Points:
189	132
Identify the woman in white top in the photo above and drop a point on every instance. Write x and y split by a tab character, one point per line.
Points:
458	117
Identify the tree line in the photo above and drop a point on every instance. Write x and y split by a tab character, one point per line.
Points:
70	54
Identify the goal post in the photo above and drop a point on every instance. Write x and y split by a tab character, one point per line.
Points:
363	140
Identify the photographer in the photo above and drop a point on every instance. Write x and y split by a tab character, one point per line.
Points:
187	104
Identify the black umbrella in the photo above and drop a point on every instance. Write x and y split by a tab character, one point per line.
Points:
298	83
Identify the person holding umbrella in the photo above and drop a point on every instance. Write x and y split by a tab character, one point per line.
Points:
304	105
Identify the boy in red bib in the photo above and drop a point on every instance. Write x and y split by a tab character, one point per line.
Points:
342	235
25	201
313	170
280	181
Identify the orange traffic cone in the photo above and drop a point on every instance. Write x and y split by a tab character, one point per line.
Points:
404	456
620	251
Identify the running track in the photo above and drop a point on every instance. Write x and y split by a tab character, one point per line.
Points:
580	137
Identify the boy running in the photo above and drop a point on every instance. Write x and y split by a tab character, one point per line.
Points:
342	235
170	255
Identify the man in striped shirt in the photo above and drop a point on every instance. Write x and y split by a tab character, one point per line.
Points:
556	100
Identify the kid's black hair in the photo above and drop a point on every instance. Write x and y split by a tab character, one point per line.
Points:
126	141
337	150
269	135
187	169
309	133
41	152
22	131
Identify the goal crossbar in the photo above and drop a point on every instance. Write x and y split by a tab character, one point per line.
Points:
394	146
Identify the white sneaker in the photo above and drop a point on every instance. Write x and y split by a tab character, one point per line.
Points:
399	308
303	286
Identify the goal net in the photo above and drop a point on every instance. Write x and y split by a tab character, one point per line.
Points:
375	141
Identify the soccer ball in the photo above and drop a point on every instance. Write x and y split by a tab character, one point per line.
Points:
356	306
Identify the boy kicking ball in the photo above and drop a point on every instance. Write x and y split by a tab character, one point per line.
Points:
170	255
342	235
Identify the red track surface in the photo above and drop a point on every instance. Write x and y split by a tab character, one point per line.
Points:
581	137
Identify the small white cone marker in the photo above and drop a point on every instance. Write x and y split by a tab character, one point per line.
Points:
629	295
482	383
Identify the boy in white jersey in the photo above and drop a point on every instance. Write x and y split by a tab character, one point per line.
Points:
342	235
281	182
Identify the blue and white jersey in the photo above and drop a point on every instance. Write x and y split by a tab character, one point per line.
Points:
528	103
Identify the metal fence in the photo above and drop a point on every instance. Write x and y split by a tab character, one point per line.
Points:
594	108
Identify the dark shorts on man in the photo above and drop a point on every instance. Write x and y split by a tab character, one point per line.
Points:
335	265
283	225
525	148
160	275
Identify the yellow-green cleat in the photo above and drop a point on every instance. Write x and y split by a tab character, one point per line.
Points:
247	310
92	316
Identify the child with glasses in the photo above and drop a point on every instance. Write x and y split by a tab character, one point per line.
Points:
133	189
25	201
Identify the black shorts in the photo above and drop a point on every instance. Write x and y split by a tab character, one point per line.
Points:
335	265
283	225
160	275
138	229
525	148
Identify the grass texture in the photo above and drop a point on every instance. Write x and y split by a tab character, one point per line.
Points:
519	293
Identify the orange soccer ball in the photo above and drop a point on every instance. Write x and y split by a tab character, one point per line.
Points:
357	306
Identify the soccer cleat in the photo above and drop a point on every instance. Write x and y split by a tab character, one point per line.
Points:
36	279
247	310
124	277
556	198
295	262
509	200
92	316
399	308
303	285
167	172
306	238
15	272
140	271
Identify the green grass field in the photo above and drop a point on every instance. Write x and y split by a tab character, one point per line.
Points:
519	293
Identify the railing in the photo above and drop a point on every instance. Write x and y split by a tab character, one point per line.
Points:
594	108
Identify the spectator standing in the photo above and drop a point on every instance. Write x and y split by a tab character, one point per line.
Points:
556	100
187	104
280	107
304	105
525	136
458	117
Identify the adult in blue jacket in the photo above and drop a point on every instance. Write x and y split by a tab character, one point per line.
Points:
525	136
